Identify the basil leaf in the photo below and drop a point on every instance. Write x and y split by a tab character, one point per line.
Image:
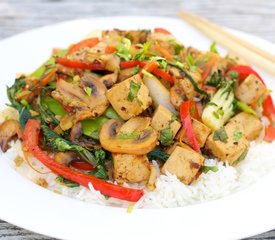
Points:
220	135
166	136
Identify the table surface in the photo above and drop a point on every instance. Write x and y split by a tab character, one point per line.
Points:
251	16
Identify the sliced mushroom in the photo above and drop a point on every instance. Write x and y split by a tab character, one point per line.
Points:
140	144
109	79
86	106
8	132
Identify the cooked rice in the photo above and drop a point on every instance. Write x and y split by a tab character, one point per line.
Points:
169	192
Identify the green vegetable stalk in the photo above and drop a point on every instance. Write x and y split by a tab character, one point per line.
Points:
220	108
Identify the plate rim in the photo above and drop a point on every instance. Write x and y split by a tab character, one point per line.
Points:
136	212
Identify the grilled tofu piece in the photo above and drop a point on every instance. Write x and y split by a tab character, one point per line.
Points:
251	126
250	89
163	118
130	168
130	97
228	143
184	163
201	132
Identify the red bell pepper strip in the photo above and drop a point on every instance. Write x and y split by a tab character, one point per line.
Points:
31	137
81	165
207	69
161	30
185	116
80	65
158	71
268	105
90	42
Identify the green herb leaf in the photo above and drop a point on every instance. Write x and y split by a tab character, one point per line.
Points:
233	74
66	182
133	135
238	135
88	90
191	62
135	70
206	169
220	135
123	49
143	53
213	47
157	154
166	136
133	92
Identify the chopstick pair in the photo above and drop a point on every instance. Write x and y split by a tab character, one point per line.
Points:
234	44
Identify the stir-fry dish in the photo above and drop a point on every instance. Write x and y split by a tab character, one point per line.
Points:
100	111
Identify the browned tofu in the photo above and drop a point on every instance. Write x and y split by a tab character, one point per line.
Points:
251	126
163	118
229	149
250	89
130	168
201	132
184	163
178	144
125	107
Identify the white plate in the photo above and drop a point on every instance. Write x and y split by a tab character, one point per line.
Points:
27	205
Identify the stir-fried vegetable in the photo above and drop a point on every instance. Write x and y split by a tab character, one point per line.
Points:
31	137
220	108
113	107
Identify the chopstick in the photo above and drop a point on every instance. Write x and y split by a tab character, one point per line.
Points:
234	44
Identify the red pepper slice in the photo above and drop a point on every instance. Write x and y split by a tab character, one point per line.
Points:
185	116
161	30
158	71
31	135
76	64
81	165
90	42
268	105
207	68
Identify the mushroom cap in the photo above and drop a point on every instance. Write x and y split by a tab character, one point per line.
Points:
139	145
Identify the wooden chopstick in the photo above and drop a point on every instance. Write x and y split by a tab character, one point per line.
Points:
234	44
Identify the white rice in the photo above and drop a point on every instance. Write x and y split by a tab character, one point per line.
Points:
169	192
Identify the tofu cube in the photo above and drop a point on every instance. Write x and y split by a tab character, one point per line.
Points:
250	89
201	132
163	118
251	126
230	149
118	97
184	163
130	168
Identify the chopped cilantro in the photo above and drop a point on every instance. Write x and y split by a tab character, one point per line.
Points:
135	70
191	62
166	136
24	102
134	88
123	49
88	90
205	169
132	135
233	74
237	135
213	47
220	135
142	54
66	182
